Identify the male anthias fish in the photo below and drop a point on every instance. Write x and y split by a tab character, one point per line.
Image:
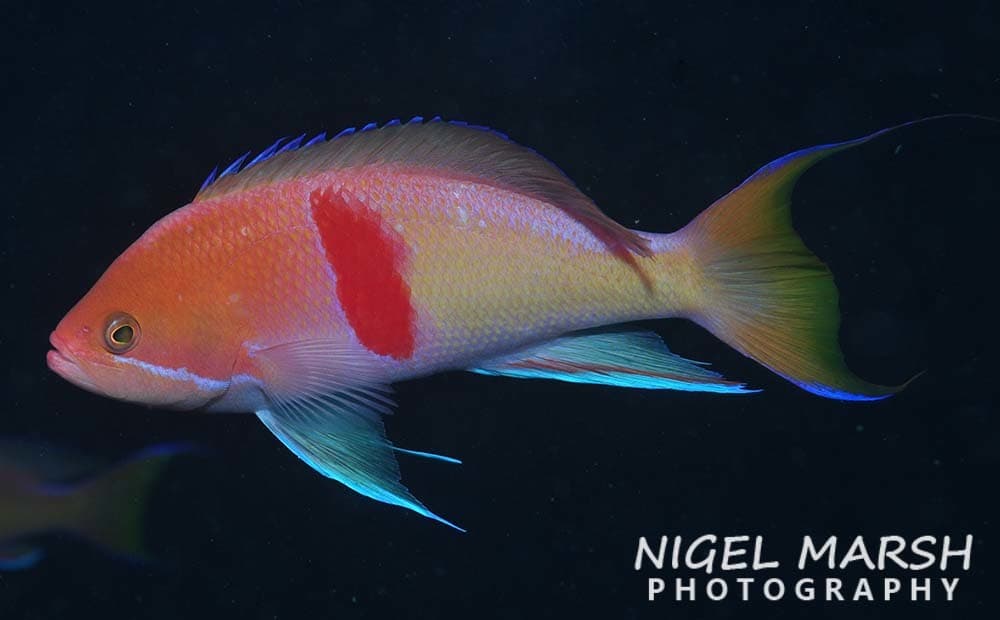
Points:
301	285
44	491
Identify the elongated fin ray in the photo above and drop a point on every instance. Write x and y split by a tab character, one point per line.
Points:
348	446
451	149
620	358
327	408
428	455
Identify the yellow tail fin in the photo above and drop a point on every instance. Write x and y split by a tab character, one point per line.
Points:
764	293
110	508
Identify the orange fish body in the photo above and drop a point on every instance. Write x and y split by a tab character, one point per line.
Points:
301	286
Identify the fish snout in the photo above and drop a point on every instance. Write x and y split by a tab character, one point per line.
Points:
61	361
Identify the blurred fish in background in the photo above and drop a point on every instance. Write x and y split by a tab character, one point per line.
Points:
46	490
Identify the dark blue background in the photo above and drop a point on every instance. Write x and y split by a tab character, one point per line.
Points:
113	116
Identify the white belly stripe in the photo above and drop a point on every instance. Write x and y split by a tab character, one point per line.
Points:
177	374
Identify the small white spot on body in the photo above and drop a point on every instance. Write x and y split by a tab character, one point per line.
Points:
245	231
482	223
398	228
463	215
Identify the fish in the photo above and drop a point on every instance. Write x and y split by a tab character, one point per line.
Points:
46	490
299	286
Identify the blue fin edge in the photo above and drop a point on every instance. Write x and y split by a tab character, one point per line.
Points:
295	144
24	561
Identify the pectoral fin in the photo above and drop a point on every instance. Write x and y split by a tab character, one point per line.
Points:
327	409
624	359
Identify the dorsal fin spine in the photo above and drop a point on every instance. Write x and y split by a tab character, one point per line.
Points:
210	178
266	153
292	144
320	137
234	167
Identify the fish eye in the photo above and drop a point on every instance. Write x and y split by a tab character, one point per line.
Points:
122	333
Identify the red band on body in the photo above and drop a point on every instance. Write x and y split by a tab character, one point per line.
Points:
367	258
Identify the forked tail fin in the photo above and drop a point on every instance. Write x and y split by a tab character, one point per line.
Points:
763	292
110	508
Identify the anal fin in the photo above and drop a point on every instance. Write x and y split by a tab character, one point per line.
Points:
634	359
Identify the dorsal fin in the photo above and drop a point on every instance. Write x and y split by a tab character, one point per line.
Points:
453	149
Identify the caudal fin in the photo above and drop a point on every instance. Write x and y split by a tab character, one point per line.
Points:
763	292
110	508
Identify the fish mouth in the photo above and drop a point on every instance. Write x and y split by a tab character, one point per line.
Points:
62	362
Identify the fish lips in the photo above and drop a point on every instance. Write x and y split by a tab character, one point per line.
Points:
62	362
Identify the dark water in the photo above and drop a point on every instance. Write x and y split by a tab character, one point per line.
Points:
113	116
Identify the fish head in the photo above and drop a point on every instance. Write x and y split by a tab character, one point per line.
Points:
148	331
